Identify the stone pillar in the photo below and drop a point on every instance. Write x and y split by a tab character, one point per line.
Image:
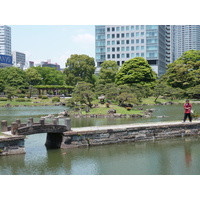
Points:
42	121
4	126
18	122
14	127
55	121
31	119
68	123
29	123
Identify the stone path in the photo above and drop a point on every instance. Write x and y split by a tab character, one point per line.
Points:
92	128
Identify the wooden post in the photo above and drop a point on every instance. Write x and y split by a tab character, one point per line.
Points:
4	126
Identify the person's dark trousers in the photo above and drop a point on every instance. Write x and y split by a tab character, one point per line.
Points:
187	115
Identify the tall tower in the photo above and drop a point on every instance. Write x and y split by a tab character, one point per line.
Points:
184	38
5	40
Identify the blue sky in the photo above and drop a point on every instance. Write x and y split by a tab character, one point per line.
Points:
54	42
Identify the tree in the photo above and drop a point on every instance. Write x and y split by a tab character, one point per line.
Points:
10	92
79	68
185	71
136	71
50	76
82	95
33	76
108	72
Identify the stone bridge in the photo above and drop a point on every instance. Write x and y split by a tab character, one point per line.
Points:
54	130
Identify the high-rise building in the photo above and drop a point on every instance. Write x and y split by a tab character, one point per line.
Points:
184	38
123	42
19	59
5	40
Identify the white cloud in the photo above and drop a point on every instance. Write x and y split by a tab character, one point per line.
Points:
84	38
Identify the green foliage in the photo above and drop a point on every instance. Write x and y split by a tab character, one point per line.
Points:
185	71
108	72
79	68
11	92
22	100
44	97
82	95
55	99
3	99
194	92
33	76
136	71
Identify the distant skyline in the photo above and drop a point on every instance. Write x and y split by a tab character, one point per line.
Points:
54	42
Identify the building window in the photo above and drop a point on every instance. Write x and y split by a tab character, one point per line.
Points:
113	28
108	36
118	42
132	34
122	35
142	41
108	42
122	49
137	41
113	49
108	49
118	55
108	29
122	55
117	29
113	42
142	55
137	34
132	28
113	35
118	48
132	41
127	41
142	47
137	27
132	55
108	56
127	48
122	28
137	48
122	42
142	34
127	55
113	55
118	35
142	27
137	54
132	48
127	28
127	35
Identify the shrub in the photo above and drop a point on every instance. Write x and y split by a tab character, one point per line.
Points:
3	99
55	99
44	97
21	95
128	108
22	100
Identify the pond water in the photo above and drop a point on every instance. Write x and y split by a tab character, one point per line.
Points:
166	157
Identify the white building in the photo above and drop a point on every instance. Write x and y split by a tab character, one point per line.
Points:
19	59
5	40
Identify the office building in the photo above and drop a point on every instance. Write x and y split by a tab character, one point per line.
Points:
184	38
5	40
19	59
123	42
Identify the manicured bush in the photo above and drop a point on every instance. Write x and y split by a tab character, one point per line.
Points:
22	100
21	95
3	99
44	97
55	99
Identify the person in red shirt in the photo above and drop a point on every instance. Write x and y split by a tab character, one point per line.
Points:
187	113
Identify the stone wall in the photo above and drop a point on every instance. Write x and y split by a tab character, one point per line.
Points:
73	139
12	145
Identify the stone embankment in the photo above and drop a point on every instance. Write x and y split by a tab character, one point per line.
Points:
90	136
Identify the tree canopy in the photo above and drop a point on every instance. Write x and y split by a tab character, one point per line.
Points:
136	71
79	68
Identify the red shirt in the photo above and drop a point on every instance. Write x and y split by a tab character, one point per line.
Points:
187	107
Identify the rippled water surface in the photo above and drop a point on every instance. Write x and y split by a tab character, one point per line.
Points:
173	156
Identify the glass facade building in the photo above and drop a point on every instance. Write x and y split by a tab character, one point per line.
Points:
123	42
184	38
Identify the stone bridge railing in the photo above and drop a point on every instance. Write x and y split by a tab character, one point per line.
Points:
18	128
